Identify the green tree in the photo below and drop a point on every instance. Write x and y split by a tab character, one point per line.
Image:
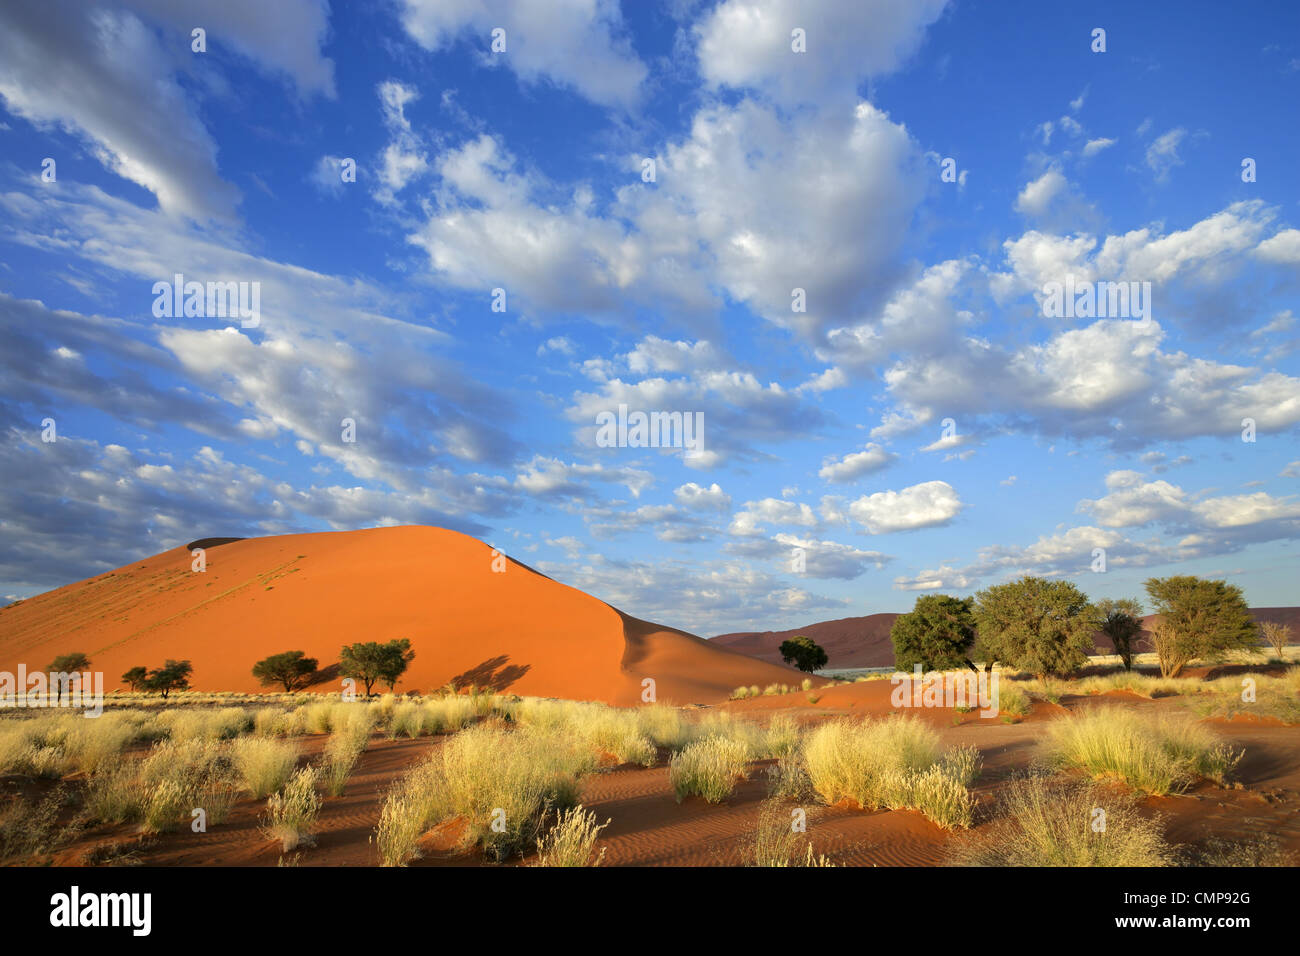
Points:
291	668
804	653
69	663
1205	618
1036	625
136	677
173	675
937	633
1121	621
371	662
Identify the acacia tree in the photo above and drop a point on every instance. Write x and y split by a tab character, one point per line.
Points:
173	675
136	677
1044	627
937	633
1121	621
291	669
371	662
1277	635
804	653
1204	618
69	663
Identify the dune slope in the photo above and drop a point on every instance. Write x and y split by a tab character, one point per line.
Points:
511	629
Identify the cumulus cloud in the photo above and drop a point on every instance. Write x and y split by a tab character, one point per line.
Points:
927	505
748	44
856	464
579	45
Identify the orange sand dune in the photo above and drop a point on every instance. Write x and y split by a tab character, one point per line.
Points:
514	630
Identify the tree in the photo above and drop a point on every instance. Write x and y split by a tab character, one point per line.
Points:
937	633
1044	627
136	677
1276	635
173	675
1205	618
291	668
804	653
371	661
69	663
1121	621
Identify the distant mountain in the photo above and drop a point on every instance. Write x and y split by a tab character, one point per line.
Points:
865	642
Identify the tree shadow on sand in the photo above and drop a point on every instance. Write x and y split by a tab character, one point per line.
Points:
494	674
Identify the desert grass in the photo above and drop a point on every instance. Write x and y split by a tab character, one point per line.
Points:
264	764
499	782
1159	755
1263	695
1013	703
894	763
708	768
572	840
1045	821
344	748
777	843
30	828
291	813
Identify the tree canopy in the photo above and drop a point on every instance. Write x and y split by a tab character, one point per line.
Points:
937	633
291	669
804	653
371	662
1036	625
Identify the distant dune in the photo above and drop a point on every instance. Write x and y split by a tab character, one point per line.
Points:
848	642
865	641
516	630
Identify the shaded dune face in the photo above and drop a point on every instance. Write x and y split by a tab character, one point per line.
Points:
513	630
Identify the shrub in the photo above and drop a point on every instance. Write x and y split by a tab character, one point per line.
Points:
1160	756
264	764
708	767
291	814
483	775
571	840
894	763
1053	822
777	843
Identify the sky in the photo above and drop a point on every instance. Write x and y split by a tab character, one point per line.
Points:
835	234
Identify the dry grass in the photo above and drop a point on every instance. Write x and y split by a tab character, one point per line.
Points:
1054	822
500	783
1159	755
708	768
572	840
291	814
264	764
894	763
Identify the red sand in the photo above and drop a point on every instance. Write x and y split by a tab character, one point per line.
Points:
515	630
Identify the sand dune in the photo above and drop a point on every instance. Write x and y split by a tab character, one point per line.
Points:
515	630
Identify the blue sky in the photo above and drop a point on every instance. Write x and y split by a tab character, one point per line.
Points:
775	170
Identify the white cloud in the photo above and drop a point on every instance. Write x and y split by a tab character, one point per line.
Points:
856	464
579	44
698	498
747	43
925	505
